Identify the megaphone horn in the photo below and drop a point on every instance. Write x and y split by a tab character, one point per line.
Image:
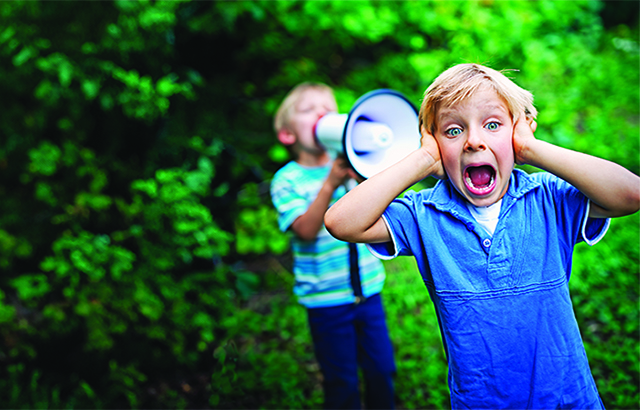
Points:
380	130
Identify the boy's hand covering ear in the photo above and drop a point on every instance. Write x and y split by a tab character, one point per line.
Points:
523	134
430	146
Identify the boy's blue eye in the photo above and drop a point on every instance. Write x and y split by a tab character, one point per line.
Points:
453	132
492	126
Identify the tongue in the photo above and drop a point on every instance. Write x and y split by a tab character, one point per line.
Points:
480	175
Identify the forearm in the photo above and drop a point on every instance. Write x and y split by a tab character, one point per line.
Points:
356	216
307	225
613	190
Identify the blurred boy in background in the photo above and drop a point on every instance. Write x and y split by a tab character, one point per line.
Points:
339	283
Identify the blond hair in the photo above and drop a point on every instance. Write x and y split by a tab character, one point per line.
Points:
283	114
460	81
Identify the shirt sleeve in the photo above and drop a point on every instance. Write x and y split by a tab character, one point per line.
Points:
399	218
593	229
289	203
385	250
573	207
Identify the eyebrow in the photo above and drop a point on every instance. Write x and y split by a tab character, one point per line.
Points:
498	107
303	106
449	112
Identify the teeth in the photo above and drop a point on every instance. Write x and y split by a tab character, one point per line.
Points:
468	179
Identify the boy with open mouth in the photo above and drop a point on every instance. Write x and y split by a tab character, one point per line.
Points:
493	243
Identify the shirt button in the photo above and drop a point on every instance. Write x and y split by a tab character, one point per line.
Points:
486	243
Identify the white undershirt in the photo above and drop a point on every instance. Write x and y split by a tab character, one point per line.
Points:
486	216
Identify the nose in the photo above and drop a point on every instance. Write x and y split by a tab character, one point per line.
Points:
321	112
474	142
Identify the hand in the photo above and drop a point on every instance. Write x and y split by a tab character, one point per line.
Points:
354	175
340	172
522	136
429	145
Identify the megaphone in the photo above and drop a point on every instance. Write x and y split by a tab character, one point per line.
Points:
380	130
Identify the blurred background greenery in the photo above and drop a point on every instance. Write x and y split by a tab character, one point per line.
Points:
141	262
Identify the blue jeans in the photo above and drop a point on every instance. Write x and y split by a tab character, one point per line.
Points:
349	336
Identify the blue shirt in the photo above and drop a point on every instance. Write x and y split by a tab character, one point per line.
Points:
321	266
503	304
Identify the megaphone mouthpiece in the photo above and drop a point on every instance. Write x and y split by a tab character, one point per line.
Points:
380	130
329	130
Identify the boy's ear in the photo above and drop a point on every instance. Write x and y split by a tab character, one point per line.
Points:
286	137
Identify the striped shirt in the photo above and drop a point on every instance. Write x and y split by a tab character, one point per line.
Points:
320	266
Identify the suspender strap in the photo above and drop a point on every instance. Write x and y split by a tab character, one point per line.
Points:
354	270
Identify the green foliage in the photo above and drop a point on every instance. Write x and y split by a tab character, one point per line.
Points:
170	203
267	358
421	380
256	227
142	262
606	289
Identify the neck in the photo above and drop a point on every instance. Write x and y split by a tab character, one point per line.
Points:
312	160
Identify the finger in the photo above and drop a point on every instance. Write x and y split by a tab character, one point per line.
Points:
424	131
354	175
524	119
341	162
424	135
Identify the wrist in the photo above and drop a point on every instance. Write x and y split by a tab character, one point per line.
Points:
427	166
528	152
328	187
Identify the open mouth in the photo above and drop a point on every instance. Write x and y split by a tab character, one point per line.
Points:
480	180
